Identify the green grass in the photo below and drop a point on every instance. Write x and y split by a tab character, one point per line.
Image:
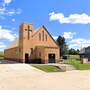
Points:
48	68
75	57
76	63
1	58
1	55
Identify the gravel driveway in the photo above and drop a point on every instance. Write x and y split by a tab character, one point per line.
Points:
18	76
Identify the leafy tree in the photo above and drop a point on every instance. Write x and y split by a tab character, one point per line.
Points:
62	44
73	51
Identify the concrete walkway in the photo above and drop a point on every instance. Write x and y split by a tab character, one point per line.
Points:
65	67
26	77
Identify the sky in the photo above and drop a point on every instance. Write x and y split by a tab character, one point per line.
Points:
68	18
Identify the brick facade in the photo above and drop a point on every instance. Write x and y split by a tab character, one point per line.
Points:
37	44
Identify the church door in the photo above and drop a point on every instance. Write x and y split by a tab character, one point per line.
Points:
51	58
26	58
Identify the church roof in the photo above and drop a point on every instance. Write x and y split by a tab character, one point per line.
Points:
36	30
14	44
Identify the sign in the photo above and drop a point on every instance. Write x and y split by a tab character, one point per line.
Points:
84	60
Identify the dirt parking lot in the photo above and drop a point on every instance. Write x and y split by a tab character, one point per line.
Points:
16	76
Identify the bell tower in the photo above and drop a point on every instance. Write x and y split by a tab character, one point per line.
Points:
27	30
25	36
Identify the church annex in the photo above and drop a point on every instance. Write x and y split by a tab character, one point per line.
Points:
33	46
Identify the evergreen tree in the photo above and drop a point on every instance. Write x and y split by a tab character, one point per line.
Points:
62	44
73	51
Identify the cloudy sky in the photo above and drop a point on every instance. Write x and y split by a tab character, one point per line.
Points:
69	18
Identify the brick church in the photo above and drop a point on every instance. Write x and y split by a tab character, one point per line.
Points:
33	46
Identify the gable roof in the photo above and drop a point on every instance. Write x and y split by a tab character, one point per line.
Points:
37	30
51	36
14	44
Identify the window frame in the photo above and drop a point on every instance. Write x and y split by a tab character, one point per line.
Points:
39	36
40	54
46	37
31	50
43	35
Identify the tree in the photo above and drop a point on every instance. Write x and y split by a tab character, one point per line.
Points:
73	51
62	44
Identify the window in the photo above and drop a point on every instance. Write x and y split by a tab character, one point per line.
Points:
39	54
46	37
43	35
31	50
39	36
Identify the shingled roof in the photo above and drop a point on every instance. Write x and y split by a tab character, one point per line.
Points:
14	44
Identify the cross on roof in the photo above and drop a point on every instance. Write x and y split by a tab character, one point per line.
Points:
28	30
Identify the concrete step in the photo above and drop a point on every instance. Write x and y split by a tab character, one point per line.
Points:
67	67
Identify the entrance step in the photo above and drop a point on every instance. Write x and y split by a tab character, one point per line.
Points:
65	67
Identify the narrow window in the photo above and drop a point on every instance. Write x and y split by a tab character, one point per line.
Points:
28	34
46	37
43	35
40	36
31	50
39	54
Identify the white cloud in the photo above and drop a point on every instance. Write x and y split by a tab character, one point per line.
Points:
2	45
72	18
2	10
7	1
13	20
6	34
12	12
55	37
69	35
5	11
79	43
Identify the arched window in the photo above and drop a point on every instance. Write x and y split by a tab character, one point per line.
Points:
43	35
46	37
40	36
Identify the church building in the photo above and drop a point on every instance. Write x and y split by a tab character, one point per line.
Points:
33	46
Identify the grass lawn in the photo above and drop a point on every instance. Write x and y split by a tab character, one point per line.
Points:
1	58
76	63
74	57
1	55
48	68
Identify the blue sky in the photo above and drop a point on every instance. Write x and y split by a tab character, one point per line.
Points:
69	18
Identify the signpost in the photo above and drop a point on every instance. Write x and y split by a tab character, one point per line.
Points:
84	60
